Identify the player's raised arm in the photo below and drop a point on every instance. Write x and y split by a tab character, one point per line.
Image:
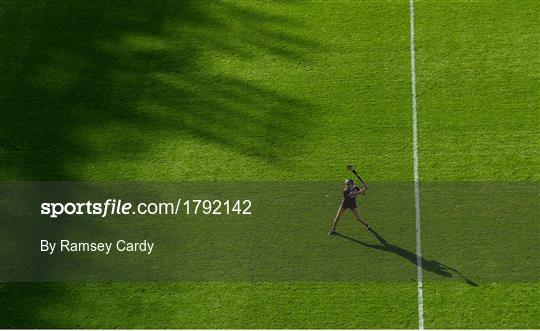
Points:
361	191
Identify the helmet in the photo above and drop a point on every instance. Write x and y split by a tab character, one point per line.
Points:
348	182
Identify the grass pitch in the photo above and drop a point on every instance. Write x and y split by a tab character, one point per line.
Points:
166	91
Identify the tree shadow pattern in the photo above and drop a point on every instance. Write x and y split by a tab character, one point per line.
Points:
133	70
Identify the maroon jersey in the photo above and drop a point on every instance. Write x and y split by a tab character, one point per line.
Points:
349	201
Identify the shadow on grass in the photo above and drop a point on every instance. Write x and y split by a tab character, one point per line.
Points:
102	82
111	80
428	265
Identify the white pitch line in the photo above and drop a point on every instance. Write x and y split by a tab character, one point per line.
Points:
416	178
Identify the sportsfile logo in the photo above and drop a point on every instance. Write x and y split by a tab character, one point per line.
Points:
103	209
119	207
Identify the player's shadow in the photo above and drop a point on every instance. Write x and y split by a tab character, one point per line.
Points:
428	265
